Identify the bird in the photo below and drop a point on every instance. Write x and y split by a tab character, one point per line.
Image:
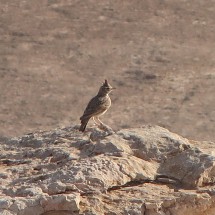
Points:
97	106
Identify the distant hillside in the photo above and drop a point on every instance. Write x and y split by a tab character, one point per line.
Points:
158	54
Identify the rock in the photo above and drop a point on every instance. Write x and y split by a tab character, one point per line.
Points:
59	155
5	203
31	141
154	142
56	187
97	134
18	205
29	191
146	170
171	150
112	145
6	212
68	202
26	206
3	175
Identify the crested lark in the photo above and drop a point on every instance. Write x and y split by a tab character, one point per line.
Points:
97	106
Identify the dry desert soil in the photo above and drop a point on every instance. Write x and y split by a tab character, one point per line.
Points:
159	54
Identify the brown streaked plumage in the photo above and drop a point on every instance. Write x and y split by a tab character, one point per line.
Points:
97	106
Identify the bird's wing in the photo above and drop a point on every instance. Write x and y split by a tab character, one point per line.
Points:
94	107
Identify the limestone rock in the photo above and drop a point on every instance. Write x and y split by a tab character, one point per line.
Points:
146	170
56	187
68	202
5	203
28	191
6	212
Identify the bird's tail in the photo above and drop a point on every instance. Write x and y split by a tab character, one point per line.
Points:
83	124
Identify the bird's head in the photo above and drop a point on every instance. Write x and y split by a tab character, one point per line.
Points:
106	88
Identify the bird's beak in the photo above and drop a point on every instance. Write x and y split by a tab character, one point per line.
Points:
113	88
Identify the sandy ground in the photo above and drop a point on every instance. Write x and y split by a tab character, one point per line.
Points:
158	54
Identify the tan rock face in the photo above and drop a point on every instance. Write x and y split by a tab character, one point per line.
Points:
146	170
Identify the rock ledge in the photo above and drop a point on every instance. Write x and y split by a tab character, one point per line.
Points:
146	170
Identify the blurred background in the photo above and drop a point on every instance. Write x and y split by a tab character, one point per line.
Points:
54	55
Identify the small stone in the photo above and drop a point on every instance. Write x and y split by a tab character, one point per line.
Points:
61	202
5	202
30	191
6	212
56	187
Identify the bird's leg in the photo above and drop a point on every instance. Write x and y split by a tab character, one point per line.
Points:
94	119
100	122
102	125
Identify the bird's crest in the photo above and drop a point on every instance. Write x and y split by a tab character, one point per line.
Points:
106	84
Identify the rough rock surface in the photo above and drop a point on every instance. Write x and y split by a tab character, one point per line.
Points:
146	170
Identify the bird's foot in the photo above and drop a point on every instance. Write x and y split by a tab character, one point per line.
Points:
105	127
